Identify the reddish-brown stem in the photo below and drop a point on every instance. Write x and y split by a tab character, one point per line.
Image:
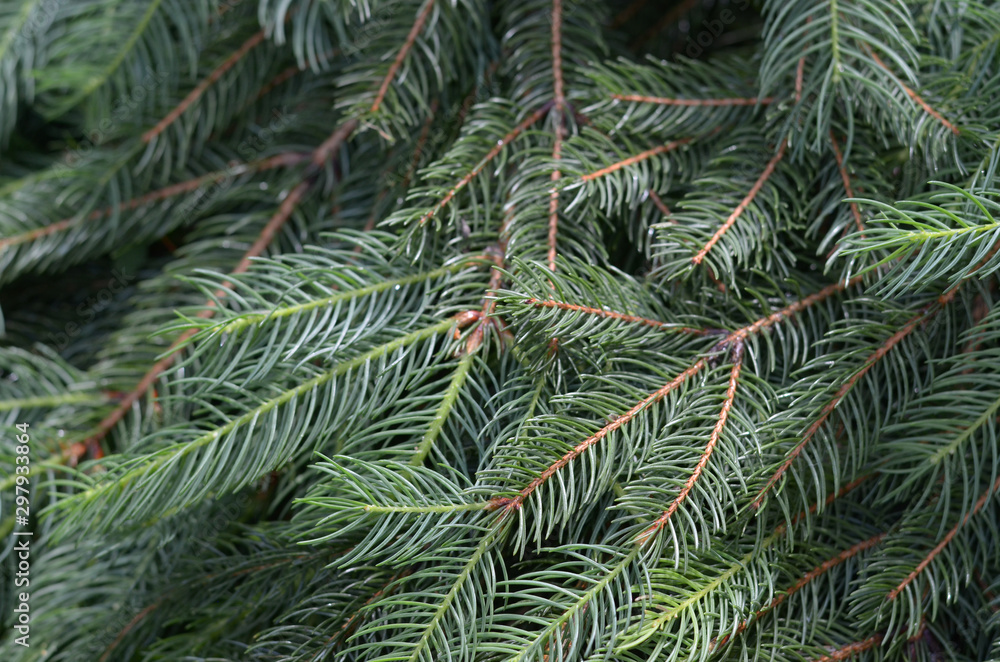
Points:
351	623
287	159
736	337
610	314
146	611
492	154
282	77
284	212
276	221
128	628
850	650
799	71
411	39
632	160
425	132
740	208
987	593
669	18
470	98
263	240
554	201
841	393
894	593
515	502
830	499
793	309
334	142
670	101
847	181
805	579
559	99
713	440
658	201
913	95
196	93
557	68
489	303
414	163
928	312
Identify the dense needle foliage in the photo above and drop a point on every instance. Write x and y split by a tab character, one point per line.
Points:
526	330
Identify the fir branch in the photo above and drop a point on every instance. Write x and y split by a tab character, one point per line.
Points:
411	39
658	201
792	309
847	182
927	560
638	158
850	650
559	111
142	475
492	154
913	95
740	208
510	504
610	314
842	393
819	570
261	165
694	103
111	420
720	424
119	58
444	409
285	209
203	86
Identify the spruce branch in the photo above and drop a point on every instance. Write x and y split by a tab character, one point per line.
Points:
740	208
727	404
319	157
411	39
202	86
927	560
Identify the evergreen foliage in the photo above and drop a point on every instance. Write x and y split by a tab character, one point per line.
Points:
517	331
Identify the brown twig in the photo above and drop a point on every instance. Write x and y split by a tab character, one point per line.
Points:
510	504
713	439
894	593
803	581
411	39
734	338
492	154
658	201
850	650
847	181
740	208
288	205
279	160
632	160
200	89
913	95
893	340
669	101
611	314
560	109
